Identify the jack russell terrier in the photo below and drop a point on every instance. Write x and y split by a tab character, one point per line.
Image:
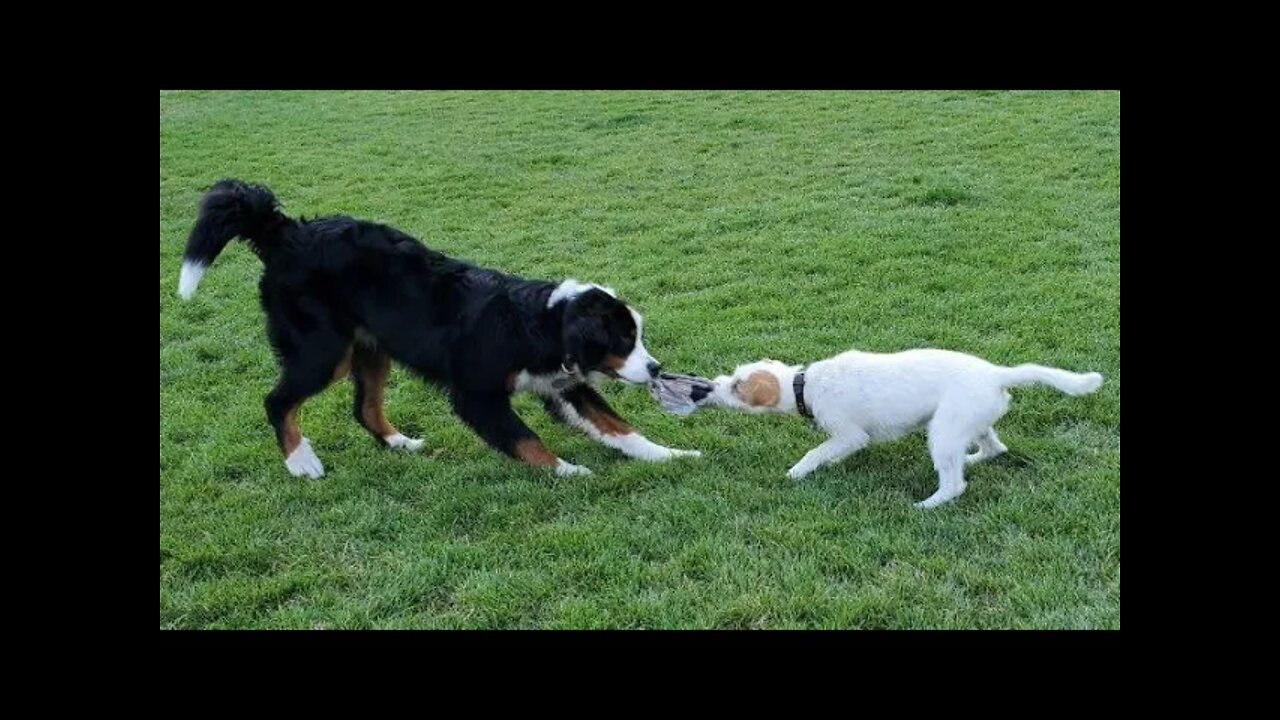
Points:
861	397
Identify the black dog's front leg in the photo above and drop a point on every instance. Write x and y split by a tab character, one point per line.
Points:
491	416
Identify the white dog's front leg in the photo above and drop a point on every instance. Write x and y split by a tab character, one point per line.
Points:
836	448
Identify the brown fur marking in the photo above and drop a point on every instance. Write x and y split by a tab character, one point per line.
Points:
371	371
613	362
760	389
532	451
344	367
607	423
291	434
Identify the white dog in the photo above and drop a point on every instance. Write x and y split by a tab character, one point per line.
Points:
860	397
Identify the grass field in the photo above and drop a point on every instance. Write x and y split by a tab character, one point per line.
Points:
742	224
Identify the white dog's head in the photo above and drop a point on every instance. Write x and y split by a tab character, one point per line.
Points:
758	387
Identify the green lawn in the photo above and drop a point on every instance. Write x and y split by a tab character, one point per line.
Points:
742	224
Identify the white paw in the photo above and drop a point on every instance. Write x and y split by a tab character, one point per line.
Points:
302	462
1092	381
568	468
401	442
665	454
935	500
797	473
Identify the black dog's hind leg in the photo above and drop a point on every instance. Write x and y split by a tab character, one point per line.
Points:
308	364
369	371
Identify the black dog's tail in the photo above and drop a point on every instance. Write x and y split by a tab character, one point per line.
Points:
230	209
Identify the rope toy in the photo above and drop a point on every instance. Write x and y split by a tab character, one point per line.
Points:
680	394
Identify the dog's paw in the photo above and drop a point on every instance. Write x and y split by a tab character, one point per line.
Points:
661	454
797	473
302	462
936	499
400	442
568	468
1091	381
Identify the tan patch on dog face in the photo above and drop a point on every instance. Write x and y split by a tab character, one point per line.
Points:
760	389
613	362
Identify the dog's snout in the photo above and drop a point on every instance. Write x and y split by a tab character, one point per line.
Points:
654	368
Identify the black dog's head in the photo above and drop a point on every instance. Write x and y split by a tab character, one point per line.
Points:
602	334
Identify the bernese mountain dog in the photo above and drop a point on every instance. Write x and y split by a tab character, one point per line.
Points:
346	297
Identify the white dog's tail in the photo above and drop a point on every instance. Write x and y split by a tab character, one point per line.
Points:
1068	382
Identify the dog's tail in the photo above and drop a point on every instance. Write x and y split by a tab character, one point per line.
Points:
1068	382
230	209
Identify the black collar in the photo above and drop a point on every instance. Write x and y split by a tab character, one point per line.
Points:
798	385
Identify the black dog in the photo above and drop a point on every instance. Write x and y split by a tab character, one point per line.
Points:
346	297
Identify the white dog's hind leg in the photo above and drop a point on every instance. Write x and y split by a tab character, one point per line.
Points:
833	450
989	446
950	467
949	434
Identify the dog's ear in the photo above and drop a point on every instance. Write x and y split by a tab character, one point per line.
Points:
592	302
759	389
584	337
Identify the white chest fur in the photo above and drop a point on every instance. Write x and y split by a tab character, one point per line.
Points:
545	384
